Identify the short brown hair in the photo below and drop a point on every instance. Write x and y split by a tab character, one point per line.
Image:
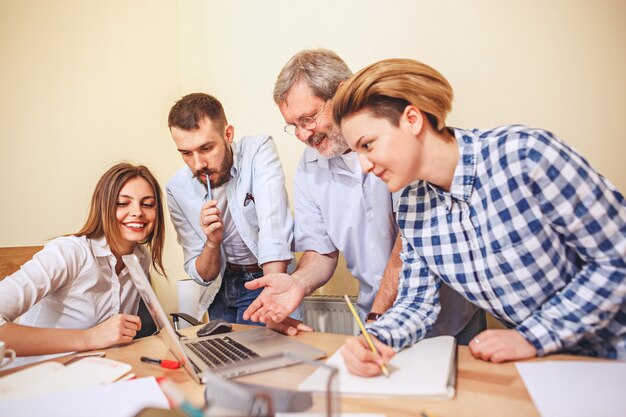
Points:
102	220
187	112
386	87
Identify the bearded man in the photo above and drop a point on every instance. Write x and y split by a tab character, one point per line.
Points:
228	205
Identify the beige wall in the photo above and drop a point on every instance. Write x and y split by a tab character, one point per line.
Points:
86	84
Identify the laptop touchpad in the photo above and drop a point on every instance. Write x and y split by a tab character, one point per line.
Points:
270	339
263	338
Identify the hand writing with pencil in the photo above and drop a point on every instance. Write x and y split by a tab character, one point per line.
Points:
380	361
359	358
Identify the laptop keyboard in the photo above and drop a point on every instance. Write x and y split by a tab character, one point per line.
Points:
221	351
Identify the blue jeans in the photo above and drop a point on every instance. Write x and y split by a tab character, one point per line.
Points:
233	298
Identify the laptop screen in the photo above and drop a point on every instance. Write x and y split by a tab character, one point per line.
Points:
159	316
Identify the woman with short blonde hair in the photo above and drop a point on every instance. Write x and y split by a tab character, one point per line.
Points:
512	218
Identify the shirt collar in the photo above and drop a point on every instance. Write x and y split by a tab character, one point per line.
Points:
235	147
197	188
101	248
341	164
465	171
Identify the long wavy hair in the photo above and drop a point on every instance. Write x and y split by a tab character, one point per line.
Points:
102	220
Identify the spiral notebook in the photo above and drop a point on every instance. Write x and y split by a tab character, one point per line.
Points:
426	369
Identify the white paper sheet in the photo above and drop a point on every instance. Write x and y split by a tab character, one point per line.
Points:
572	389
421	370
49	377
324	415
120	399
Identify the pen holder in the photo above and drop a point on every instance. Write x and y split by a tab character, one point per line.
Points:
277	393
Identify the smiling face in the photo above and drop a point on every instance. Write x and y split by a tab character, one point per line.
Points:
136	213
326	138
393	153
206	151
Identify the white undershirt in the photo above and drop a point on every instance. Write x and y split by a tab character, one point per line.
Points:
235	249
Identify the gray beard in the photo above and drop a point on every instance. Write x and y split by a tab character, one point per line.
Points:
337	144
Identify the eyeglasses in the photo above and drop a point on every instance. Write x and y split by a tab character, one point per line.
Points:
307	122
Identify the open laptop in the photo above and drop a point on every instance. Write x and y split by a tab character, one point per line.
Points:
244	352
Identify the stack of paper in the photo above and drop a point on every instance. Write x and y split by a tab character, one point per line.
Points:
48	377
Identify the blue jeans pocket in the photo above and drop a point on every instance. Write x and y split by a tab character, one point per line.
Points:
237	295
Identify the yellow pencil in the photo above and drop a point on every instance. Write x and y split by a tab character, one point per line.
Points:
383	367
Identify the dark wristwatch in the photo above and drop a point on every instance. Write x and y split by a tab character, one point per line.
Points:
372	317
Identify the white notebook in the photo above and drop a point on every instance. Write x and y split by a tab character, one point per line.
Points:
426	369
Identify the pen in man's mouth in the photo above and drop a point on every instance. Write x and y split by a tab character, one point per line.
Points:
208	187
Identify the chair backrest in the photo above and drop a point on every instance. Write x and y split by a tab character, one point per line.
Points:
12	258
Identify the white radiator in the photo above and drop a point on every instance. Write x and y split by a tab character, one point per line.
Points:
329	314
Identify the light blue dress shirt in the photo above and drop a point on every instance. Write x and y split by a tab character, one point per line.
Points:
265	224
337	207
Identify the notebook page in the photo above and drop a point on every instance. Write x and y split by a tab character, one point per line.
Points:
420	370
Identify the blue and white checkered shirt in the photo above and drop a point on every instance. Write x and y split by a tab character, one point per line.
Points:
529	232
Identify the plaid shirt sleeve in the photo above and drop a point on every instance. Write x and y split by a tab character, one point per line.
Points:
416	307
590	215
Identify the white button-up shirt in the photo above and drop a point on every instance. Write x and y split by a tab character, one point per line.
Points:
70	284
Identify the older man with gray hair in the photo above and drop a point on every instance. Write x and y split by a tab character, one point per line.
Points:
338	208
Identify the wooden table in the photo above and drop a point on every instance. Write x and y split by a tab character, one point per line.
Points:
483	389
